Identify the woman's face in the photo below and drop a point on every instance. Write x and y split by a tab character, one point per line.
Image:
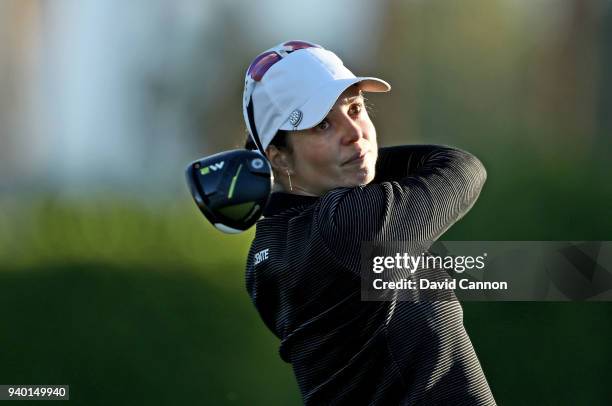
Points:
339	152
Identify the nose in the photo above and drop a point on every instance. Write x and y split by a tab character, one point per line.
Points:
351	131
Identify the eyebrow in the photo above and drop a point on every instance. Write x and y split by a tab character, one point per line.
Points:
349	100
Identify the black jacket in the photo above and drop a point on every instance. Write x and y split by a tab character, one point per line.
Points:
302	275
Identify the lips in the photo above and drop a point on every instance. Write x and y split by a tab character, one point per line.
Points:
356	157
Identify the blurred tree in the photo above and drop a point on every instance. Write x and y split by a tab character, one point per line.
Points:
565	84
19	38
605	93
452	72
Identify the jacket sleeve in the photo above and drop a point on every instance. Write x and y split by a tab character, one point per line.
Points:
418	193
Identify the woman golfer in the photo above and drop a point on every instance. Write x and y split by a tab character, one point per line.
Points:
333	190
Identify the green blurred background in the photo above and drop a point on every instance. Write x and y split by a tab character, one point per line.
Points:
111	281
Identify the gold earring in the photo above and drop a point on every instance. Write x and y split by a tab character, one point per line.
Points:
290	185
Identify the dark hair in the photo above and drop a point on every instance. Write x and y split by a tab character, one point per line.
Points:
279	141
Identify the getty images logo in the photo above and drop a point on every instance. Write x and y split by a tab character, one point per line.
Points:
214	167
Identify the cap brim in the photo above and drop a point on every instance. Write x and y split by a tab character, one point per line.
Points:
319	106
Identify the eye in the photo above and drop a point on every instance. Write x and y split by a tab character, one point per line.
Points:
323	125
355	109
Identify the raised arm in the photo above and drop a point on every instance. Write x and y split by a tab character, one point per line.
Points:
418	193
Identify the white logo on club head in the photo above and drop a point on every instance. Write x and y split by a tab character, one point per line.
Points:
257	163
217	166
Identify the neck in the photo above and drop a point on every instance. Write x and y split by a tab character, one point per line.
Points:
301	191
297	190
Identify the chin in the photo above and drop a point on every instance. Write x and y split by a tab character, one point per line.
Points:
370	172
369	177
363	177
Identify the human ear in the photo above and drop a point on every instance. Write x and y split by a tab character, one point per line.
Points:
278	158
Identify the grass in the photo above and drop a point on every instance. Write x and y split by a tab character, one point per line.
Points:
133	303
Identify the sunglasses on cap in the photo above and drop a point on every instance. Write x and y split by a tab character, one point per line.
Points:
258	68
264	61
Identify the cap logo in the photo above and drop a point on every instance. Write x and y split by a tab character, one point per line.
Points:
295	118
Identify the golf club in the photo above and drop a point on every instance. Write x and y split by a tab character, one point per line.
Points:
231	188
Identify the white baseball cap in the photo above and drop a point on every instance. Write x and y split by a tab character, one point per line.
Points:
293	86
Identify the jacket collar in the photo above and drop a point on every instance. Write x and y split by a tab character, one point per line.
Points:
281	201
